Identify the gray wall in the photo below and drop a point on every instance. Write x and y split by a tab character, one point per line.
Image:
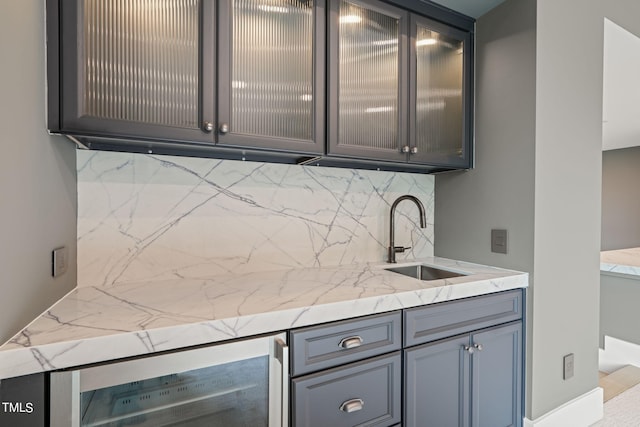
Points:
619	315
37	175
539	161
538	136
538	169
499	192
620	198
565	303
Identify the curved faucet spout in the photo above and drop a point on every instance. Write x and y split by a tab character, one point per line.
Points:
423	223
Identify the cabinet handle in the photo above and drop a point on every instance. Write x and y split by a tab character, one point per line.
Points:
352	405
224	128
405	149
414	150
207	126
471	350
351	342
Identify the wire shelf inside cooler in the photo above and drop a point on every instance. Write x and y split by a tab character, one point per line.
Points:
232	394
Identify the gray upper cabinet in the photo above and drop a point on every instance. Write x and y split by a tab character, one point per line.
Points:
400	86
440	82
239	73
367	74
132	68
271	74
350	83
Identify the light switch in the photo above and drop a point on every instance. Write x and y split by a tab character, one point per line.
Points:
59	261
499	241
567	370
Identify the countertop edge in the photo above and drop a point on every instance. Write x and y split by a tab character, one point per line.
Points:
621	263
73	353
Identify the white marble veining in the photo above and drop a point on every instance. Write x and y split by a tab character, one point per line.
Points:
621	262
149	217
176	251
99	323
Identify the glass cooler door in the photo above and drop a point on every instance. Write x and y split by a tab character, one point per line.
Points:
236	384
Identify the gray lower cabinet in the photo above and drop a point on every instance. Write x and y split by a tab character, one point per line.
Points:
437	384
463	362
496	383
451	364
348	373
366	393
468	380
447	319
326	346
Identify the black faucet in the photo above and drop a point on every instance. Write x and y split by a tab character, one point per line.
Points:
393	250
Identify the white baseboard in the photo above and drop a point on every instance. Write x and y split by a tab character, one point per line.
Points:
618	354
582	411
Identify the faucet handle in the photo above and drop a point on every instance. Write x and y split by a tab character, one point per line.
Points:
393	250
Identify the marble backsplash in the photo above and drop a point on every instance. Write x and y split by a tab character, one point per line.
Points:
151	217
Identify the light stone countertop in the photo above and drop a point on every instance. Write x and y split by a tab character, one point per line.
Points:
621	262
95	324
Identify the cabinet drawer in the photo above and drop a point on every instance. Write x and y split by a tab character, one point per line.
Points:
321	347
429	323
363	393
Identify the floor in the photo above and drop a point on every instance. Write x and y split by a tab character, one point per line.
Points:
619	381
621	398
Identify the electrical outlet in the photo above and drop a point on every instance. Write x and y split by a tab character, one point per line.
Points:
59	261
499	241
567	371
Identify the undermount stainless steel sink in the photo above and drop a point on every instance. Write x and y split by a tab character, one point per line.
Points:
424	272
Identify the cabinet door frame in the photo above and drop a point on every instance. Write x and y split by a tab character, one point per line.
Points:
71	79
466	37
485	337
333	27
308	393
452	347
225	50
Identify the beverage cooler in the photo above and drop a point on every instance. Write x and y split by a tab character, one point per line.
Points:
243	383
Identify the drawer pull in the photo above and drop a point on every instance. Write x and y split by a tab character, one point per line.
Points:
352	405
351	342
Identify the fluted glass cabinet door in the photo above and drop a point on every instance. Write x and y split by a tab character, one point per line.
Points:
439	99
271	75
367	48
138	68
